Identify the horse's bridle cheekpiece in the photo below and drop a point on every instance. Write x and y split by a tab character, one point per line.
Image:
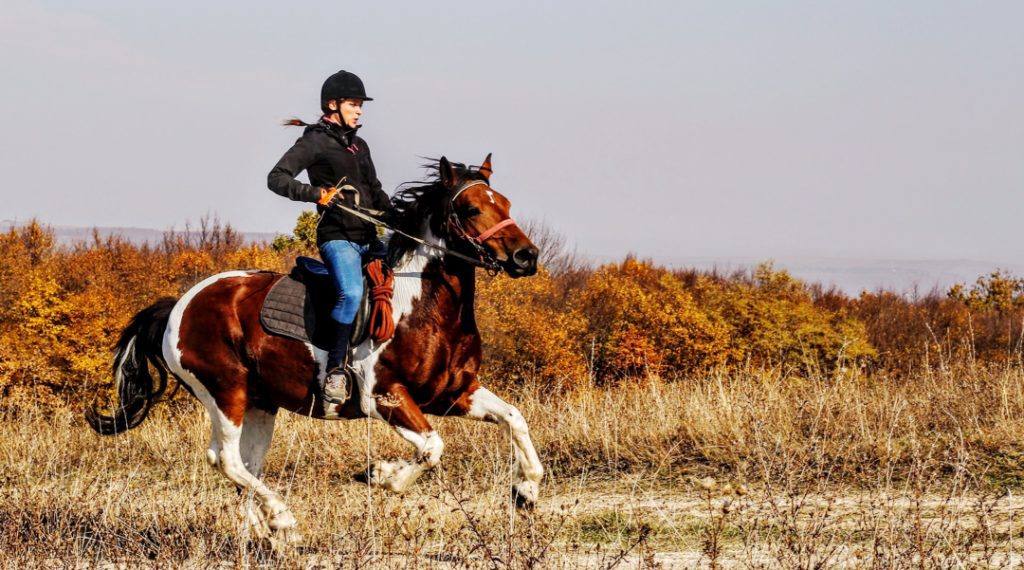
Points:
455	225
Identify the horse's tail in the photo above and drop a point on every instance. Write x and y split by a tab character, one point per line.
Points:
141	344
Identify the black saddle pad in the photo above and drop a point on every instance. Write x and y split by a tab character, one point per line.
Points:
304	298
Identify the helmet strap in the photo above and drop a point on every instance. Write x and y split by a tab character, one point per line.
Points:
337	111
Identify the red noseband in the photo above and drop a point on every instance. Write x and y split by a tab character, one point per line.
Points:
497	227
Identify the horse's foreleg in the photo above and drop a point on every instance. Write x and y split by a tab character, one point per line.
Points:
482	404
398	409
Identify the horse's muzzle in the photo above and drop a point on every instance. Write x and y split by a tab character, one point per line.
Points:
524	262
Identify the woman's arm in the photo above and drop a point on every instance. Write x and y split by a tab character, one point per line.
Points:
381	200
282	177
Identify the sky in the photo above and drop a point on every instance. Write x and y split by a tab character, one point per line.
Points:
665	129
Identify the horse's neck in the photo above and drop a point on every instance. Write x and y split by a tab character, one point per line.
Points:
436	279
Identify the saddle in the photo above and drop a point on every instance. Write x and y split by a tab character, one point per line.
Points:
300	303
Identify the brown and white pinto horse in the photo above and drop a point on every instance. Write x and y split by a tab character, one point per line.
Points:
211	340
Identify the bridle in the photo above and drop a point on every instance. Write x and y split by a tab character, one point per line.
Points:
456	227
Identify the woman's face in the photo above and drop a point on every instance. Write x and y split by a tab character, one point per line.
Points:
350	111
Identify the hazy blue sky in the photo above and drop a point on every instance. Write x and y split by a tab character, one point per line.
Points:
756	128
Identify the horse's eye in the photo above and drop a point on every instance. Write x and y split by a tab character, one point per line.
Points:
470	212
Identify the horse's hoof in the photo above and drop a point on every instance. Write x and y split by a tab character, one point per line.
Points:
522	502
282	521
382	474
286	540
394	476
256	524
371	476
525	495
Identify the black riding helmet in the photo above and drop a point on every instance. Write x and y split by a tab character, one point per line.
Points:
342	85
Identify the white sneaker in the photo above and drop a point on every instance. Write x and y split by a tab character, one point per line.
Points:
336	386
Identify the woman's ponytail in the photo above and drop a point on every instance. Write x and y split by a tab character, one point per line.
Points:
295	122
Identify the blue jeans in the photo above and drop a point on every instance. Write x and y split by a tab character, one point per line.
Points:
344	261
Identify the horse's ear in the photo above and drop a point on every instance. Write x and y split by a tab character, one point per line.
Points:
446	172
485	168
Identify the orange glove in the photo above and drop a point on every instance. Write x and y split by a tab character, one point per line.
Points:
327	196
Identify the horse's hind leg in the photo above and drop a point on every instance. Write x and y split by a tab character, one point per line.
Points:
482	404
225	447
257	432
231	463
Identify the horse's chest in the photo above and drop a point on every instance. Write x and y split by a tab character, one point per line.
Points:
431	362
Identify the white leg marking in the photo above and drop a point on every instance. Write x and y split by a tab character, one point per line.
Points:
278	515
257	432
485	405
213	450
398	475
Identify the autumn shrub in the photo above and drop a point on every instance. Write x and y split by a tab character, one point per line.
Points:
979	323
62	308
26	260
996	305
640	319
913	333
771	319
303	237
528	331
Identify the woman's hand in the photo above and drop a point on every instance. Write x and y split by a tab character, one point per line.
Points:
327	196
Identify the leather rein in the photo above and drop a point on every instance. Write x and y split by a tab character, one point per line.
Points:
486	259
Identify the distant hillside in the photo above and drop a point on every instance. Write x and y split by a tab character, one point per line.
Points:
69	235
849	275
853	276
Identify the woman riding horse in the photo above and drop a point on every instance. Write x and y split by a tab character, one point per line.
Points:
334	155
211	340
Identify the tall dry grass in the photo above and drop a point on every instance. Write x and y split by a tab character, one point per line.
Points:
744	470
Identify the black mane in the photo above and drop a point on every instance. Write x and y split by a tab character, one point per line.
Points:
415	202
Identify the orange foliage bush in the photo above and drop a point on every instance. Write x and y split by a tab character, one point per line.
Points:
640	319
62	308
527	331
772	319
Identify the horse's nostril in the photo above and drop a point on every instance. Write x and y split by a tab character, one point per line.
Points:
525	257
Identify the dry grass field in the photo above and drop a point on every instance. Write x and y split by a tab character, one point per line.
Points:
747	470
685	419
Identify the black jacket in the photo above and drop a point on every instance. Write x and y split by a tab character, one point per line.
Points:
329	152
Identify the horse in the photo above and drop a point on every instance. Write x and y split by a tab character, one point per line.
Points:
211	341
